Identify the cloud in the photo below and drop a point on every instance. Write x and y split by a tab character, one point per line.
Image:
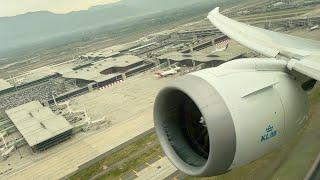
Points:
15	7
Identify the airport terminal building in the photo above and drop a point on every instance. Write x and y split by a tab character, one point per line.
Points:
39	126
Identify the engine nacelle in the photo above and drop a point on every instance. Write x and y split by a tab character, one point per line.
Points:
214	120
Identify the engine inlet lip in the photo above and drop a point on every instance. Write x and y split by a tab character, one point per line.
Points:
166	144
202	94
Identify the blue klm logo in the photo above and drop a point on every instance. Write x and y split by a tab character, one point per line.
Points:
270	133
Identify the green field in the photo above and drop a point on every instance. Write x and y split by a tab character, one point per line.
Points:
123	161
315	95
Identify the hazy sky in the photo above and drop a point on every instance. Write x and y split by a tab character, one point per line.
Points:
14	7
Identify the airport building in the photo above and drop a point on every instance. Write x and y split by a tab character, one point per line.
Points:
100	55
110	70
5	86
211	57
111	52
105	69
39	126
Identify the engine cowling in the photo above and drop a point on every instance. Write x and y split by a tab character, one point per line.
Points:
214	120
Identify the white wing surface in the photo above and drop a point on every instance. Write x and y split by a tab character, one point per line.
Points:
304	53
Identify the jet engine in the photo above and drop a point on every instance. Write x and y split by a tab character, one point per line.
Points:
211	121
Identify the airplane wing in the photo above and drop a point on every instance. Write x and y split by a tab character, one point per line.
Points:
305	53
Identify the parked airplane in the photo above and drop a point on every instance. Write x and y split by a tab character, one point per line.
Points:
211	121
314	27
219	49
173	70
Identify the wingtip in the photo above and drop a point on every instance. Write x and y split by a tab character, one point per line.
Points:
214	12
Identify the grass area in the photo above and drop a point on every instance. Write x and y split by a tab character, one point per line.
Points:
116	173
122	155
314	96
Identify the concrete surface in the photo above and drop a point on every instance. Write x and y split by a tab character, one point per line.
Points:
160	169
